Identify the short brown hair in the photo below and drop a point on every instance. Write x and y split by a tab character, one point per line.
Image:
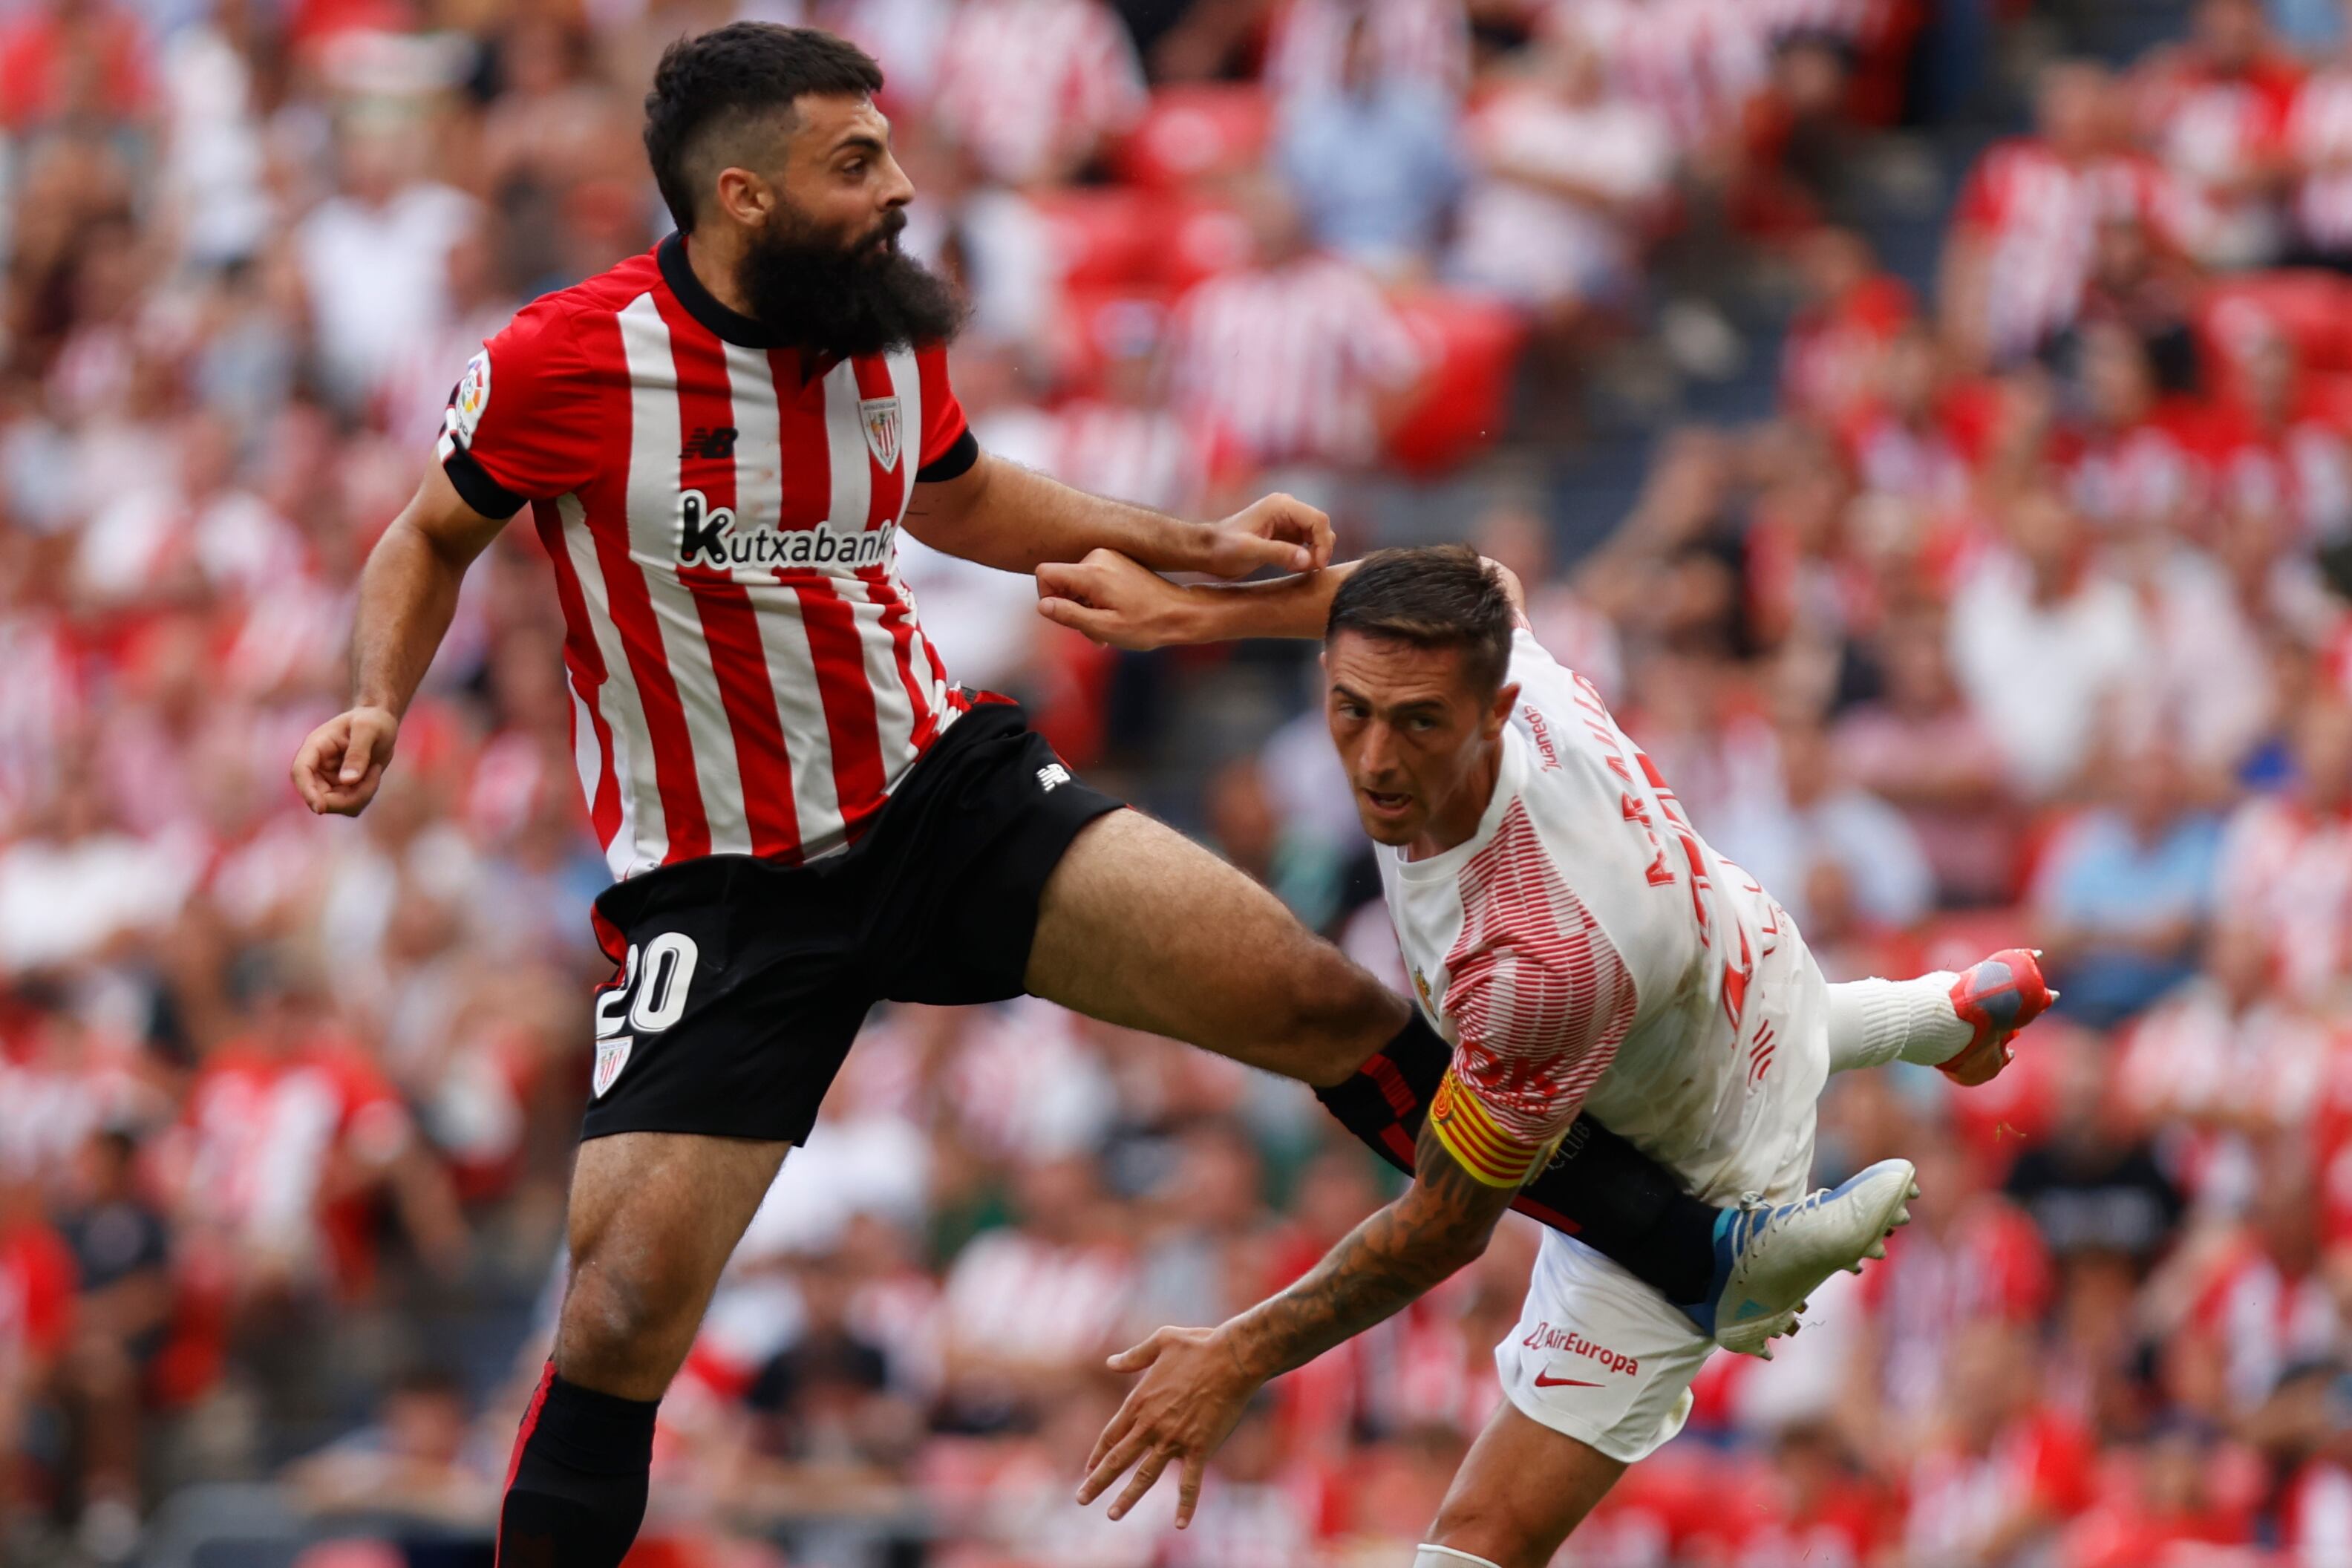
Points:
1440	595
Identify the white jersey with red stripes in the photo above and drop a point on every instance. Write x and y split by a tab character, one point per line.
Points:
1586	948
2319	144
1024	86
2038	214
747	672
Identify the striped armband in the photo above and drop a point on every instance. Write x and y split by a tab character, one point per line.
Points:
1471	1135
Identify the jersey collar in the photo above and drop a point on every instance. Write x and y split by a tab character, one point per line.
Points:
730	325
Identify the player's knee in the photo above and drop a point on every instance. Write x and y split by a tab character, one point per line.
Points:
628	1317
1482	1530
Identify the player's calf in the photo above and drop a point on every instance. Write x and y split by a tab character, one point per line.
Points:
653	1216
1521	1490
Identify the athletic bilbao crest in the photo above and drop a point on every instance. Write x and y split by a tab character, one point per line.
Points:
612	1056
880	417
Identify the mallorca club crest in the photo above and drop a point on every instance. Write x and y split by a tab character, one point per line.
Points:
879	415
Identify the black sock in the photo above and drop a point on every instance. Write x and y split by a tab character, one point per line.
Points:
576	1490
1599	1188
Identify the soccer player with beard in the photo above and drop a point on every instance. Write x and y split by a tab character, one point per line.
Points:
717	442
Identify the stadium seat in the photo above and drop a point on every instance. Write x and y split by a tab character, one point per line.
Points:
2312	309
1473	344
1099	234
1195	132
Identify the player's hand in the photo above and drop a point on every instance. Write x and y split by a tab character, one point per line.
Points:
1113	600
1280	530
342	761
1193	1391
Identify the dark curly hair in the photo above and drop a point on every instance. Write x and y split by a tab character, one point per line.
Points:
718	83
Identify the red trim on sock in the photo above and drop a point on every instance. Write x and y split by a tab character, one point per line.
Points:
1398	1144
522	1435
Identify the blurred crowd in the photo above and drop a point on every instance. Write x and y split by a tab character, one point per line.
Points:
2027	614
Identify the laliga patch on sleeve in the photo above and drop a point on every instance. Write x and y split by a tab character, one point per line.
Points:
473	396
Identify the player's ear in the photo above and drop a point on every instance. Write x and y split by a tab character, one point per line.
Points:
745	197
1498	713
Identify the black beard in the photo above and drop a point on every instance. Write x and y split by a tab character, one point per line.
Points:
807	289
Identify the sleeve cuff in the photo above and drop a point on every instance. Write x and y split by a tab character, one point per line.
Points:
477	488
953	463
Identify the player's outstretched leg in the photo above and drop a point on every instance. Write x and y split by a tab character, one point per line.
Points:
1961	1023
653	1218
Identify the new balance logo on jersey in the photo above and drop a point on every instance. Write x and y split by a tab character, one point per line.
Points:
710	441
706	536
1052	777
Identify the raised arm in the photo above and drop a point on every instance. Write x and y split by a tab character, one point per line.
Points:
1002	515
408	594
1197	1380
1114	600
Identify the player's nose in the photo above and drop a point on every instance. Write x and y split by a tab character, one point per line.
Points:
898	190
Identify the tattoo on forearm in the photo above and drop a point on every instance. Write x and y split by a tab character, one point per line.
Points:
1397	1254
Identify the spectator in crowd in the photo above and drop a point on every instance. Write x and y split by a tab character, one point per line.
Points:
418	1457
1298	361
2044	646
2024	236
1370	161
1567	169
2286	859
375	258
2124	891
1031	1307
122	1257
1921	748
2215	113
1078	84
1817	819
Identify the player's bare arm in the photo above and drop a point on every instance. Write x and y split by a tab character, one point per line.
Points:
408	594
1197	1380
1114	599
1002	515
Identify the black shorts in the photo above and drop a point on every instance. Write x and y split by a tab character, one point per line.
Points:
744	981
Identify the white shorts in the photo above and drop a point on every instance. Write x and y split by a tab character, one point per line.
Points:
1601	1357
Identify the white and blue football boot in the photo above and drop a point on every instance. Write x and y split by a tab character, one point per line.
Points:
1770	1256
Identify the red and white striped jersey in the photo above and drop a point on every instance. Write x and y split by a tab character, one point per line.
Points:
2039	214
1026	86
747	673
2217	134
2319	141
1421	41
2286	872
1285	361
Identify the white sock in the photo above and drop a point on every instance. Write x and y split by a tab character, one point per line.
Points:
1873	1022
1446	1557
